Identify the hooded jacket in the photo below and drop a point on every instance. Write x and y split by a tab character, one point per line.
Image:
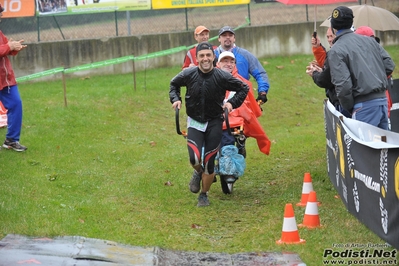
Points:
7	76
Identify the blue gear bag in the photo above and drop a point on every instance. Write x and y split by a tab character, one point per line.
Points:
230	162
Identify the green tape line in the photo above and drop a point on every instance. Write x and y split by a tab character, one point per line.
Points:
40	74
99	64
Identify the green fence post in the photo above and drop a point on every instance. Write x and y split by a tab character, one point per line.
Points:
186	19
116	23
249	15
129	32
38	29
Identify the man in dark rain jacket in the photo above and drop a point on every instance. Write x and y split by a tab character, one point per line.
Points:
206	90
359	68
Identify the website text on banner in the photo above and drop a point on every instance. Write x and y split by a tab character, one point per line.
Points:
363	165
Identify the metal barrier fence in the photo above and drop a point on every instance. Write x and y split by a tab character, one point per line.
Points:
135	23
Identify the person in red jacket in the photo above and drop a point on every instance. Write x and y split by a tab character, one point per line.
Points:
245	116
9	94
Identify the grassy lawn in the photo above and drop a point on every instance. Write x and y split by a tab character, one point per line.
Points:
100	168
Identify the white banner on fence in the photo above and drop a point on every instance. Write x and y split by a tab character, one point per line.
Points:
363	166
367	134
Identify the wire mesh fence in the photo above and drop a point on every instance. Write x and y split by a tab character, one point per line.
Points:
135	23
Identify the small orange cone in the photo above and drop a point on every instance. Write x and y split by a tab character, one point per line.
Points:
311	218
290	234
306	188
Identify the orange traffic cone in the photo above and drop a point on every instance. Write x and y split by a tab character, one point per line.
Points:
306	188
290	234
311	218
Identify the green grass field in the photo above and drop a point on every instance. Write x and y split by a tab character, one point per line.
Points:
99	168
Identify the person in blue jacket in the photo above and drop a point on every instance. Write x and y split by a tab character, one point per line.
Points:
247	64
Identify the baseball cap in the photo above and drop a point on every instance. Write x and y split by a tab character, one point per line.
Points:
226	29
204	46
342	18
200	29
1	8
365	30
226	54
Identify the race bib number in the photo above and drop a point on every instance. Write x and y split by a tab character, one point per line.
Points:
229	96
196	125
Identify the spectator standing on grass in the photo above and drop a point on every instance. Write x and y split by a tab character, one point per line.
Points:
321	75
359	68
9	94
206	89
201	34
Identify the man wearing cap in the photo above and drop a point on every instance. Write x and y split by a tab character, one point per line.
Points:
9	94
201	34
246	116
247	64
206	88
359	68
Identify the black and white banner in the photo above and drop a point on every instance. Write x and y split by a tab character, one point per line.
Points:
363	165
